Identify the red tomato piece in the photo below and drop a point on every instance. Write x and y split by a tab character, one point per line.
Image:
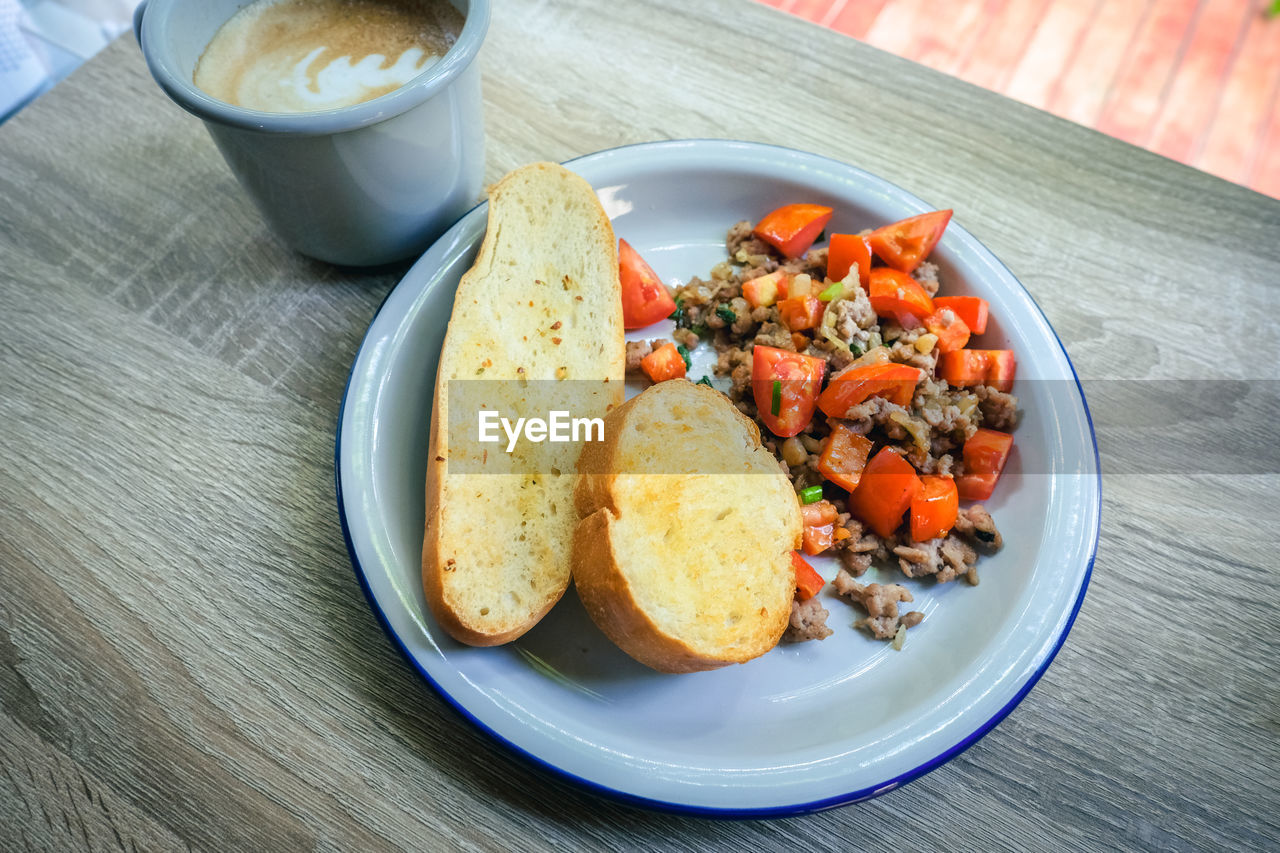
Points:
985	454
884	493
853	385
801	312
808	581
963	367
952	332
765	290
819	526
971	309
789	380
844	456
645	299
664	363
994	367
894	294
934	508
843	252
903	245
792	228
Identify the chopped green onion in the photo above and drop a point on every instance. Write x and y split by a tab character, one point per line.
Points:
684	353
678	314
724	312
700	329
984	535
811	495
706	380
777	397
831	292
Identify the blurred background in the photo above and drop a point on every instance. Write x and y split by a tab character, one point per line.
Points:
1194	80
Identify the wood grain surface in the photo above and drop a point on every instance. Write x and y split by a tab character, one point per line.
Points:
187	661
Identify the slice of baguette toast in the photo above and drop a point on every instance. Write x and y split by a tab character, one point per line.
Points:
536	323
683	553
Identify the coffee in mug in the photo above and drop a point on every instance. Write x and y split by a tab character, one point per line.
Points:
293	56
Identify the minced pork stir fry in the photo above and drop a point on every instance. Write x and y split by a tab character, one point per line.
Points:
865	382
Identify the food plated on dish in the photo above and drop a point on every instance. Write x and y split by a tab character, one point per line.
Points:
870	385
805	726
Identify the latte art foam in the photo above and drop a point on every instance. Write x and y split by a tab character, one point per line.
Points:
304	55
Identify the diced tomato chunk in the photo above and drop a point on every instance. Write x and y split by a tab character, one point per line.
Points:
976	487
801	312
884	492
985	455
994	367
764	290
896	294
844	456
808	582
971	309
903	245
792	228
664	363
645	299
951	331
818	513
934	508
843	252
819	526
785	386
854	385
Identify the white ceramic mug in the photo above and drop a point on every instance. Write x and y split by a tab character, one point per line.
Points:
357	186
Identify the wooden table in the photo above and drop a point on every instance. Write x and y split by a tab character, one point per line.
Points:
186	658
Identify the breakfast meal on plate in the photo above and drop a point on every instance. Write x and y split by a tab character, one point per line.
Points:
683	556
499	526
869	386
862	418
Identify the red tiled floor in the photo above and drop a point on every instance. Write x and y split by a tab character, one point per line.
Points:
1138	90
1192	101
1251	93
1083	86
1195	80
1002	43
1053	45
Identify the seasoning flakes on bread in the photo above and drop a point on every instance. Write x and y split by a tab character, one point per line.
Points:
541	305
683	553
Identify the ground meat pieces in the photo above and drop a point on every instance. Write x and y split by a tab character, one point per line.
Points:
813	263
837	358
860	548
808	622
746	248
881	603
774	334
927	276
873	412
687	337
999	408
736	364
906	349
977	524
856	320
946	559
637	350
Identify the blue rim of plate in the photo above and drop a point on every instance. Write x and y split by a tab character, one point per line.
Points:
837	800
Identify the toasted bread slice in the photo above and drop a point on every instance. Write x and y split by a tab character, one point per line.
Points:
683	553
536	325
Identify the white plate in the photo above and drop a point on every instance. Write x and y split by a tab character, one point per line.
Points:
807	726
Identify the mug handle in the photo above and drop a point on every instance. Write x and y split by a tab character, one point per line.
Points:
137	20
